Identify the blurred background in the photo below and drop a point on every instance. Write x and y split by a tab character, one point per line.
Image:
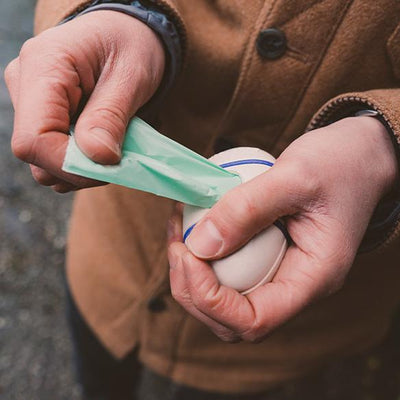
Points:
35	353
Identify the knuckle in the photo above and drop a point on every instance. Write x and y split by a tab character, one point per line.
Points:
22	148
300	180
255	333
113	115
29	48
201	303
62	188
205	297
298	173
43	44
250	337
55	64
10	71
181	296
245	205
212	301
113	110
239	210
177	294
144	76
42	177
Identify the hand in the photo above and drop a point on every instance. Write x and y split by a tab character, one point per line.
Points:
326	184
105	62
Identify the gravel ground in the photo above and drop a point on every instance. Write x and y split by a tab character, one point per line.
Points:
35	353
34	347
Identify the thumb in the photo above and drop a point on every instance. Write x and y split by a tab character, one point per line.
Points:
242	213
101	127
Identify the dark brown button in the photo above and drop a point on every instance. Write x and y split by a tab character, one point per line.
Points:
271	43
156	304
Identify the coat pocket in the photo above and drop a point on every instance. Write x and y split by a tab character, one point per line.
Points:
393	48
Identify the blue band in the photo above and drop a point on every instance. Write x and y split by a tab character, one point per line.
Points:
187	232
246	162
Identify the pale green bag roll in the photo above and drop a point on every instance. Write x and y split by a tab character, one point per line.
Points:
154	163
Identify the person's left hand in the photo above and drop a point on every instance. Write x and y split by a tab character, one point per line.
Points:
97	70
326	184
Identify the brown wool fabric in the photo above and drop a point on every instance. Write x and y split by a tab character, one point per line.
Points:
226	90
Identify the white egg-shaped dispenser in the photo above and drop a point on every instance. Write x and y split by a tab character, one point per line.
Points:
257	261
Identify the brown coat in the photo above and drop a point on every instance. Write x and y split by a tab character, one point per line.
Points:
228	93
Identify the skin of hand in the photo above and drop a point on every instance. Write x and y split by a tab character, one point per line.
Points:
326	185
102	66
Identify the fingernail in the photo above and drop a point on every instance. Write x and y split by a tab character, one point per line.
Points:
106	139
205	241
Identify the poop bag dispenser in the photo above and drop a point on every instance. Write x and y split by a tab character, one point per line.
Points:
255	263
154	163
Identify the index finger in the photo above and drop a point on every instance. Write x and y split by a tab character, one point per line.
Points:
50	93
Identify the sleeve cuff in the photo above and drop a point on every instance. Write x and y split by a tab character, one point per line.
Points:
384	225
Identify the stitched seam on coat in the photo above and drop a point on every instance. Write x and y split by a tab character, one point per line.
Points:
158	277
248	55
391	49
103	333
176	345
297	55
292	51
310	6
310	77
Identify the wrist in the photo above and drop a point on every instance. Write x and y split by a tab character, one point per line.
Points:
162	25
382	154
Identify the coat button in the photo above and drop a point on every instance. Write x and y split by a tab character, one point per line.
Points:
156	304
271	43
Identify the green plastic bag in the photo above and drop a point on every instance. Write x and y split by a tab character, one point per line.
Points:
154	163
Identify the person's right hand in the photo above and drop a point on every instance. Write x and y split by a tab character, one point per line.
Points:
105	62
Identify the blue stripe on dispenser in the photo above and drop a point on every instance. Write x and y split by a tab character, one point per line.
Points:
187	233
246	162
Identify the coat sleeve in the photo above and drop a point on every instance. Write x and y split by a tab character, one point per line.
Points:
384	226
